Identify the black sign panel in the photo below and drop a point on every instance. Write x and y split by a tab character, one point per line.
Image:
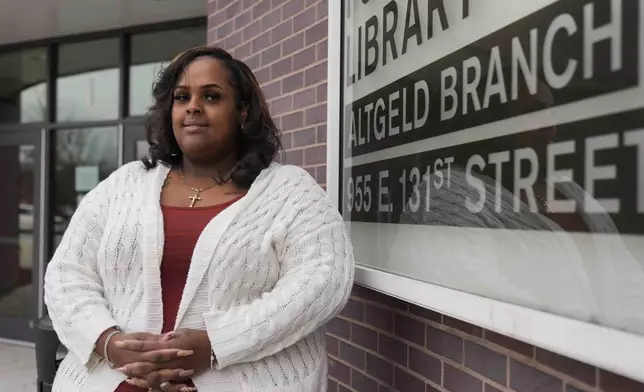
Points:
581	176
566	52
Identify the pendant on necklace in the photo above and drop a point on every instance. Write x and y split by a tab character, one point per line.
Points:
194	198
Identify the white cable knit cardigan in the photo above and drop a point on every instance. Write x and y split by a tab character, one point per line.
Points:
266	275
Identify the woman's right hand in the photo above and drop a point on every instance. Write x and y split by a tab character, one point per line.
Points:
163	357
120	356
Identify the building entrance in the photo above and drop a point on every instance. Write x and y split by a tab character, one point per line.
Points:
21	233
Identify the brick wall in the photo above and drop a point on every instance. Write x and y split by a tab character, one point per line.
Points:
285	44
378	343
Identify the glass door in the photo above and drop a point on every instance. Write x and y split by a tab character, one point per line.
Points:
21	266
83	157
135	144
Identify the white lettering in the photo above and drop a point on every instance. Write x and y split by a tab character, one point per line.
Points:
407	125
611	31
449	161
636	138
361	138
421	87
382	190
393	112
379	131
491	87
497	159
557	176
470	86
519	61
400	27
525	183
555	80
475	160
353	141
448	92
367	109
594	173
438	165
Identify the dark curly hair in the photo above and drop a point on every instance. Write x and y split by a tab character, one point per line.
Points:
258	143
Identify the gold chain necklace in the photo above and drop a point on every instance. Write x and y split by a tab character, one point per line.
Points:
197	191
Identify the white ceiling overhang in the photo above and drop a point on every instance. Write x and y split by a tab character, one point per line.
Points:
29	20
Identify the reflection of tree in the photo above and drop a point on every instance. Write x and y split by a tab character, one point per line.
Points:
81	147
71	148
33	104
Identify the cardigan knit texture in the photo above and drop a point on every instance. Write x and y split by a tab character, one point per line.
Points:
265	277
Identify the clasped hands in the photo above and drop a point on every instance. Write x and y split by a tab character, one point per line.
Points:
161	362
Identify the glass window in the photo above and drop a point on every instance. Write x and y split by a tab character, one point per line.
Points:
83	158
23	88
142	147
506	163
135	144
88	81
152	51
17	231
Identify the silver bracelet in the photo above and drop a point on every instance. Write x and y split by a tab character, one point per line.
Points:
107	342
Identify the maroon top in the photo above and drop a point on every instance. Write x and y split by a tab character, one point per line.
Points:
182	227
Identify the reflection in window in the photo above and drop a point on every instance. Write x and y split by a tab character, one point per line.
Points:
17	231
83	158
142	148
23	92
150	53
88	81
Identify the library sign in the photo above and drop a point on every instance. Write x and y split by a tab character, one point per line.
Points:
497	147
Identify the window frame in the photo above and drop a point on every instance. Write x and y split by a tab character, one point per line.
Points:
606	348
124	36
47	128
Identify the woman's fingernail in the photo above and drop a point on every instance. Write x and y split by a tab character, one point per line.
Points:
131	382
186	373
120	344
185	353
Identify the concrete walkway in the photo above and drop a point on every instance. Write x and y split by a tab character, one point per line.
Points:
17	368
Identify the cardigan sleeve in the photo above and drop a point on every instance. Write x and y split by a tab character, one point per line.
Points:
315	282
73	289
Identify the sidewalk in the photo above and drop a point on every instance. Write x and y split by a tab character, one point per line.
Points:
17	368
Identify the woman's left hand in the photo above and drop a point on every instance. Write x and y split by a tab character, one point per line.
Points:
156	372
168	380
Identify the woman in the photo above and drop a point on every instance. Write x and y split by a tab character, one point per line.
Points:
207	266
